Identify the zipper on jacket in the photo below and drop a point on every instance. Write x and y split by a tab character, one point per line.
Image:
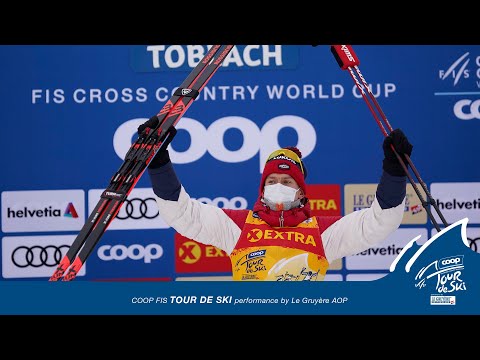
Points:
281	219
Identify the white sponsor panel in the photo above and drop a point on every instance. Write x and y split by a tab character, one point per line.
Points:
139	211
333	277
456	201
255	140
365	277
473	237
43	210
34	256
381	256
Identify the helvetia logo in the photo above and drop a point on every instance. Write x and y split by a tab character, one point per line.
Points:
70	211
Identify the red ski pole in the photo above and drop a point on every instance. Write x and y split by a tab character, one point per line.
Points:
348	60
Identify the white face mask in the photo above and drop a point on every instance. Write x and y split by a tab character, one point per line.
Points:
279	193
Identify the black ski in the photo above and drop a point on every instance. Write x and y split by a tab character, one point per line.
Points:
136	161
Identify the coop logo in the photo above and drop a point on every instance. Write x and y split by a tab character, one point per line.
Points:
445	274
185	57
47	210
256	140
133	252
467	109
237	202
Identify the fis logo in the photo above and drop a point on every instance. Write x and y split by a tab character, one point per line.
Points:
457	70
464	67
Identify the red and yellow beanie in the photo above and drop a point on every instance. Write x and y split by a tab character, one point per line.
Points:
287	160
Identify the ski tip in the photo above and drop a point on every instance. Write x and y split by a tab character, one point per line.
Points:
61	268
57	275
73	271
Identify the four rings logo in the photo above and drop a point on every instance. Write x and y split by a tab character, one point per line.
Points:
34	256
473	243
37	256
137	208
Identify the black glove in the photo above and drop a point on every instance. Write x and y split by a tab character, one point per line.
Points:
400	142
162	157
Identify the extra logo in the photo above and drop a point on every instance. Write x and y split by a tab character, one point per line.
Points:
324	199
255	235
194	257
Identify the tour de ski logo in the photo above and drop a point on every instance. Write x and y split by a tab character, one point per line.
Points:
443	270
445	277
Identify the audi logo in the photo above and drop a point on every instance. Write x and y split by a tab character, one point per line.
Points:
467	109
473	243
137	208
36	256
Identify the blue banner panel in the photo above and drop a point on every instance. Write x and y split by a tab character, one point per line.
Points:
439	277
